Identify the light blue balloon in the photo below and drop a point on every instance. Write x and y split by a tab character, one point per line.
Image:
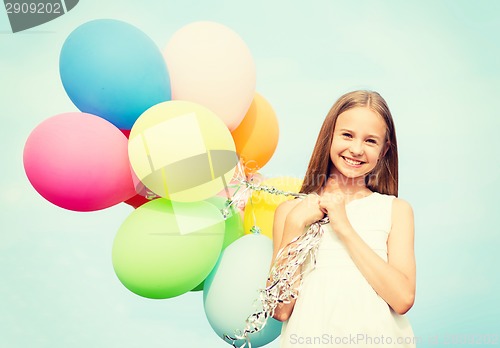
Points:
112	69
231	289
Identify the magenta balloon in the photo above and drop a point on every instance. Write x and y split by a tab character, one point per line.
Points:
79	161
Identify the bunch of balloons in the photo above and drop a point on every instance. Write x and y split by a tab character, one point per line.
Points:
171	132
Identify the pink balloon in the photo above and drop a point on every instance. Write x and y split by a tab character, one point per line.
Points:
79	161
211	65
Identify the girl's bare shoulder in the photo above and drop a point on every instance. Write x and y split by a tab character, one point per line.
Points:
402	217
401	207
285	207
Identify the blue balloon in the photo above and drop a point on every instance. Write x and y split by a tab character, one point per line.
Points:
231	292
112	69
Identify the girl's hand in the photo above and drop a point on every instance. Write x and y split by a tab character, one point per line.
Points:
332	203
307	211
292	217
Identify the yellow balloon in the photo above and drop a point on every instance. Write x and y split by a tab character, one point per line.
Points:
182	151
260	207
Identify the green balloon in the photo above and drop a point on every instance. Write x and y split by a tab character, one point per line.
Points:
233	230
199	287
164	249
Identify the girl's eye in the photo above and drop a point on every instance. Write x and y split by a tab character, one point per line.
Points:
346	135
372	141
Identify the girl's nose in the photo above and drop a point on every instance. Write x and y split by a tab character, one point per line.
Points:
356	149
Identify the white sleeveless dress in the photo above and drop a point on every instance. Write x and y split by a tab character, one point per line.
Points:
337	307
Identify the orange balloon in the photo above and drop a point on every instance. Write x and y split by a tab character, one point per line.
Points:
256	137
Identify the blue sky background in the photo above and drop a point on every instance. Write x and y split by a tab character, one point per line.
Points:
437	63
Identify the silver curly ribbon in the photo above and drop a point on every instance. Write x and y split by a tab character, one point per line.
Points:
285	280
250	186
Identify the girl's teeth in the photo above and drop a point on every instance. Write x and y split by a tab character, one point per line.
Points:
351	161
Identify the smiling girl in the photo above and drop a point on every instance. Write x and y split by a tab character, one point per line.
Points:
363	281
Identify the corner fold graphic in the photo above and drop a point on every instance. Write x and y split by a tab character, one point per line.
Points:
25	14
70	4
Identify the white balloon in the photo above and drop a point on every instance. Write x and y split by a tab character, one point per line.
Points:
230	293
211	65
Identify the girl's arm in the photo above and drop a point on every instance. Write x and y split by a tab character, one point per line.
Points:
282	311
290	220
393	280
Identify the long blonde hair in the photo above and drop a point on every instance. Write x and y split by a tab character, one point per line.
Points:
384	177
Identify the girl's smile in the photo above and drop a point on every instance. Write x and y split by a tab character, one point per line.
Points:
352	162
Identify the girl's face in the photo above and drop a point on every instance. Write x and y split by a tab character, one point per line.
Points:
358	142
